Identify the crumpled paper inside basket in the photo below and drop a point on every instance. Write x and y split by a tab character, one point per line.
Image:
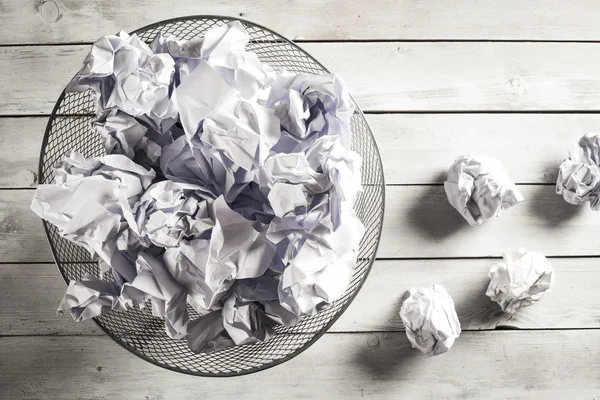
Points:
228	186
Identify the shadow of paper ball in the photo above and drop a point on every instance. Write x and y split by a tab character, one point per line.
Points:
386	356
550	207
432	215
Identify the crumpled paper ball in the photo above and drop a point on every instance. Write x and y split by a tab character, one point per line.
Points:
430	319
126	75
478	188
579	175
170	211
522	279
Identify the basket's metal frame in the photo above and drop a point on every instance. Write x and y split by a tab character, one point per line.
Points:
325	328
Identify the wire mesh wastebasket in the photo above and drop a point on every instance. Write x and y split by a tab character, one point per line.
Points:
137	330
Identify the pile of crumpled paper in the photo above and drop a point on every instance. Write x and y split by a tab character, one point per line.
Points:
226	186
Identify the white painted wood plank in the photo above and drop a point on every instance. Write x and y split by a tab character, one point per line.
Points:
466	76
20	143
419	223
572	303
35	76
419	148
22	236
382	76
56	21
490	365
416	148
30	294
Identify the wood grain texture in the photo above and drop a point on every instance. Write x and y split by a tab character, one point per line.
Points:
22	236
30	294
45	356
382	76
35	76
419	223
572	303
56	21
20	142
416	148
419	148
466	76
494	366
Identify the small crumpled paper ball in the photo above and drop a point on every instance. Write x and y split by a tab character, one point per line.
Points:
430	319
479	188
579	175
522	279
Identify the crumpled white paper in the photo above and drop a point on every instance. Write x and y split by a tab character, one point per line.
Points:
123	134
237	251
242	320
479	188
223	48
154	282
309	107
522	279
228	187
89	202
207	333
579	175
246	322
187	265
169	211
430	319
126	75
90	296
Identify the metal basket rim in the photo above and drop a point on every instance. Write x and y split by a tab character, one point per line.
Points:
336	316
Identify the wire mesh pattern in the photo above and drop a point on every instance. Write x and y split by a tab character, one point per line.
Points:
137	330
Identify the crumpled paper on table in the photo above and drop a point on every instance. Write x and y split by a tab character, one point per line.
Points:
479	188
245	210
579	175
521	280
430	319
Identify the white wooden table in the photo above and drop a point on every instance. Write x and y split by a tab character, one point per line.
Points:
517	79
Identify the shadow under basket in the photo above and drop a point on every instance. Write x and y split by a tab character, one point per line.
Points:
137	330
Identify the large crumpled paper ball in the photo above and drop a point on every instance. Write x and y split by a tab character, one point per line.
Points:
479	188
430	319
579	175
522	279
